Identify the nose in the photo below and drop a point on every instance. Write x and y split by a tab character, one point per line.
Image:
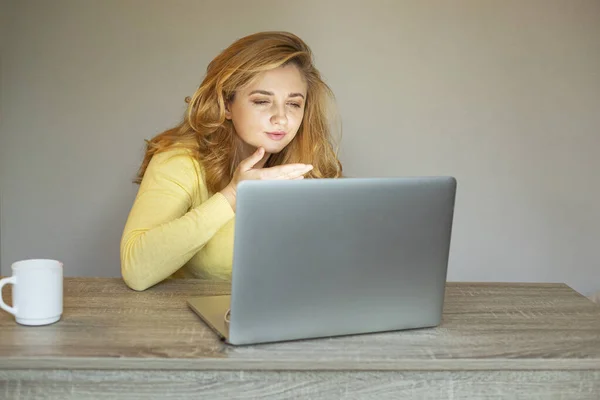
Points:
279	116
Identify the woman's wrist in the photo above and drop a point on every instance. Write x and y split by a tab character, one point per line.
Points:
230	194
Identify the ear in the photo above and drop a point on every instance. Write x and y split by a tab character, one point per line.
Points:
228	109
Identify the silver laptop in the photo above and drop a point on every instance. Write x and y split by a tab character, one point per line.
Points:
329	257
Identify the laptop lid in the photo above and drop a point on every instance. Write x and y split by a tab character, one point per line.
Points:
328	257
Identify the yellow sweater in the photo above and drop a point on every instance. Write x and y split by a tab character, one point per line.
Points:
176	228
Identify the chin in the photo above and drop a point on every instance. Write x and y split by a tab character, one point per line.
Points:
273	148
270	146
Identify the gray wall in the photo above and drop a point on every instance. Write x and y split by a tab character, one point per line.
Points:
7	8
504	95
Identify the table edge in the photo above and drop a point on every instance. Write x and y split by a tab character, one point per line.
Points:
99	363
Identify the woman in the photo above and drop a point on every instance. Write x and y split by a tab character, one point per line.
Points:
261	112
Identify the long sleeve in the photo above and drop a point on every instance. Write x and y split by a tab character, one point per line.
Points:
163	232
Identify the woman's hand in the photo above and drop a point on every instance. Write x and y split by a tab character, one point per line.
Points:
246	171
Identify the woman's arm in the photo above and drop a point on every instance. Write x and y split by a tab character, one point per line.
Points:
162	233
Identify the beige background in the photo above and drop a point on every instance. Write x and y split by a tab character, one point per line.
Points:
504	95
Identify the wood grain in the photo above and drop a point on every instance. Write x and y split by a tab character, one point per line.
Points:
486	326
313	385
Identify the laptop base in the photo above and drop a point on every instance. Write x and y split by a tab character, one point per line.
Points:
212	310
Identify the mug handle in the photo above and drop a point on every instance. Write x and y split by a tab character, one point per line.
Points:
3	305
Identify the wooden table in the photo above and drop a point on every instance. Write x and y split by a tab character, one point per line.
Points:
526	341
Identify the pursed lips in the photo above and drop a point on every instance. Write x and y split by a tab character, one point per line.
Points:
276	135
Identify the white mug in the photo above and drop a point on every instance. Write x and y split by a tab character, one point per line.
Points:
37	293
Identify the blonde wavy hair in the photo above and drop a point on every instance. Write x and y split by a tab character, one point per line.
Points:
211	138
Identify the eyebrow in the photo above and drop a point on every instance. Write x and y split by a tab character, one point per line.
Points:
267	93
